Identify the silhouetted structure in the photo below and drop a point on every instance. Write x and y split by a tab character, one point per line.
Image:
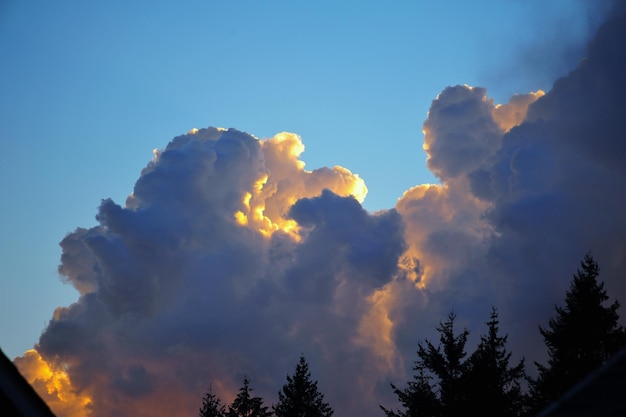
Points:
492	387
17	397
580	338
300	397
212	406
446	384
600	394
245	405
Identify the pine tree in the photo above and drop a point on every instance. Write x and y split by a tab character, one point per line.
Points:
436	389
447	362
300	396
492	387
418	398
583	335
212	406
244	405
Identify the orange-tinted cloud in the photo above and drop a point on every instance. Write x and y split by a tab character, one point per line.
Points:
53	384
514	112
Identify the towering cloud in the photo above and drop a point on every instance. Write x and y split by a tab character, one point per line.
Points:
554	184
230	258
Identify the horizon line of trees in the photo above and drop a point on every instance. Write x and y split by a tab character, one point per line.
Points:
449	382
298	397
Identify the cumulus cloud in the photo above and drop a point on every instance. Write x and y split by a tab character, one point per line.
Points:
459	132
464	128
537	190
52	385
555	182
230	258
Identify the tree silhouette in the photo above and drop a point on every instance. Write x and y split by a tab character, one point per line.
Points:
212	406
492	387
447	362
300	396
582	336
446	384
418	398
244	405
436	389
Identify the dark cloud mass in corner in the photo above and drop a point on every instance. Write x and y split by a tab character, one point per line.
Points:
555	182
553	186
230	259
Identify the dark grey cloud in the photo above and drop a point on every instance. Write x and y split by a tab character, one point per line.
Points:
371	245
555	182
520	204
551	46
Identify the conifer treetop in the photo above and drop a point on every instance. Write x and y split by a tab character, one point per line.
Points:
300	397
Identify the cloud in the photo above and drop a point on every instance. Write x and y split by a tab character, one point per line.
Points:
554	183
464	128
459	133
52	385
230	258
552	47
513	113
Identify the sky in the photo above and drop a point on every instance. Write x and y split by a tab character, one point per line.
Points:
193	193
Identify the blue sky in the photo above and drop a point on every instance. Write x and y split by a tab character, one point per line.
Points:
87	91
